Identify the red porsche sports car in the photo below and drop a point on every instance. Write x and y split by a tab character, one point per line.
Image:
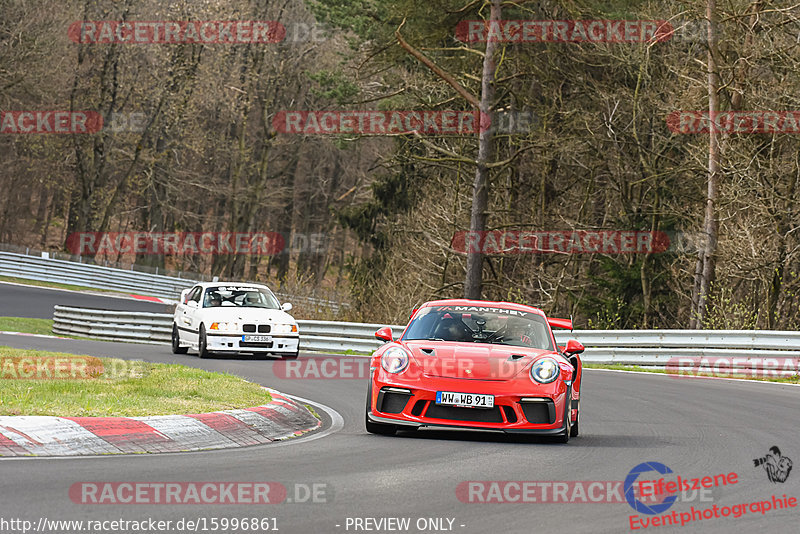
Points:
477	365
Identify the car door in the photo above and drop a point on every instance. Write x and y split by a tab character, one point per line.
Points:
188	313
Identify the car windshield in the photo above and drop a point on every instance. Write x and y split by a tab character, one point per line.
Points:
240	297
478	324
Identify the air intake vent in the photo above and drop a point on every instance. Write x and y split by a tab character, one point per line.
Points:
418	407
392	401
464	414
541	412
511	416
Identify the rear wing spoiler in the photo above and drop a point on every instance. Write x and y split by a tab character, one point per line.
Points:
560	323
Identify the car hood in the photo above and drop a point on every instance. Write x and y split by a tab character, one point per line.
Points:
245	315
476	361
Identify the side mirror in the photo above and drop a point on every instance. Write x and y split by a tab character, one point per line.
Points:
192	304
286	306
574	347
183	295
384	334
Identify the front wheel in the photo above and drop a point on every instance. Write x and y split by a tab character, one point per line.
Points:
176	342
202	343
564	438
377	428
574	431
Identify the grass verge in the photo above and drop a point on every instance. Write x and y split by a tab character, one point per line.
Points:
56	285
112	387
615	367
27	325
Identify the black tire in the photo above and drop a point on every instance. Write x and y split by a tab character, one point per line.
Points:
575	430
377	428
202	343
564	438
176	343
291	356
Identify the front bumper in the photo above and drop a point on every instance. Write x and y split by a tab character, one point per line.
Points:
519	407
434	426
228	342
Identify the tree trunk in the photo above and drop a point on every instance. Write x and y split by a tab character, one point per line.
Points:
706	257
480	190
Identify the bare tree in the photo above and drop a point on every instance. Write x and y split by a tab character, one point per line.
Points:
706	261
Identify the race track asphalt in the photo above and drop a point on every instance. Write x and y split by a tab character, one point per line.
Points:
37	302
697	427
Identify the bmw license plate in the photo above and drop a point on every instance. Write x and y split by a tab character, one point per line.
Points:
471	400
256	339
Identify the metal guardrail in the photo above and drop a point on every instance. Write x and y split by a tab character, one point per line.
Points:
654	348
47	269
137	327
102	261
156	328
93	276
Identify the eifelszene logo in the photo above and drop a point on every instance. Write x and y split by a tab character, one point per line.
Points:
777	467
630	486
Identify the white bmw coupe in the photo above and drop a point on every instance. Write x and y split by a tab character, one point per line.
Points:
230	317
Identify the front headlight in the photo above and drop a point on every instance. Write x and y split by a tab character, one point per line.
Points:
394	360
284	328
545	370
224	327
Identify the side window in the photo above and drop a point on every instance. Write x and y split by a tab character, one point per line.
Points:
189	294
542	337
195	294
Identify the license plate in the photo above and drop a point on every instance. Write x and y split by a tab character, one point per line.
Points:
256	339
471	400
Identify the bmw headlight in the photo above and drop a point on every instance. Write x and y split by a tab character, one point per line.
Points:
394	360
224	327
545	370
284	328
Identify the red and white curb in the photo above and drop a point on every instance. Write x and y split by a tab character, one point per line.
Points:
154	299
281	419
